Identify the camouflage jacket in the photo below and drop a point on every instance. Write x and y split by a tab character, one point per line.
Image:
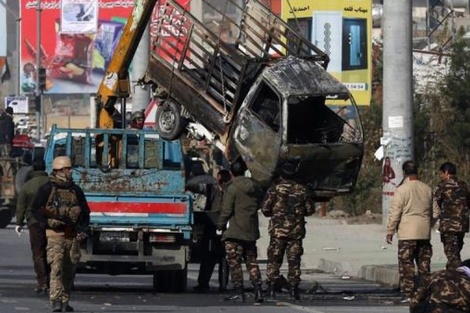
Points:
452	199
287	203
445	291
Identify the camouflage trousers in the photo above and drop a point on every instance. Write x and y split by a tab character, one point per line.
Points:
5	149
409	253
276	250
238	251
62	255
453	244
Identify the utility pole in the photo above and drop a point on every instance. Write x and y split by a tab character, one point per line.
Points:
397	122
38	91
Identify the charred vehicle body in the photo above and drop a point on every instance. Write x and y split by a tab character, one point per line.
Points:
239	76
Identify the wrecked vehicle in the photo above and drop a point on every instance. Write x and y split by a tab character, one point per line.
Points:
236	74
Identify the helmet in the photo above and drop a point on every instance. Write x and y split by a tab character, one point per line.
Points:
137	114
288	169
60	162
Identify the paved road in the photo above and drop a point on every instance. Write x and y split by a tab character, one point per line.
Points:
322	292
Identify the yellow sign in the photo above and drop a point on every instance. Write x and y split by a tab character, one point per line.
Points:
342	29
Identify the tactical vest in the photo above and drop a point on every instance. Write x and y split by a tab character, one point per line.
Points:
62	205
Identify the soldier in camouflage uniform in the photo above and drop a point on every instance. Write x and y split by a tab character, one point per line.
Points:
287	203
61	205
239	222
411	216
446	291
451	199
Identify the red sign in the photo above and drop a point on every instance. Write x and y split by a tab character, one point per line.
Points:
75	63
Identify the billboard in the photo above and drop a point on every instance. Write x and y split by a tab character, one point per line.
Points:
342	29
75	56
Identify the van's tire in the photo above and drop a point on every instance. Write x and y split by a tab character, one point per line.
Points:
168	120
6	215
174	281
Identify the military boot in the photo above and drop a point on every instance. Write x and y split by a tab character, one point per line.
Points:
294	293
258	291
67	307
237	295
57	306
271	292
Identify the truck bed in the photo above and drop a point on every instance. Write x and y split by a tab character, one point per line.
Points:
209	72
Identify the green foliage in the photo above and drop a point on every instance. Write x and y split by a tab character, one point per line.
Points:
441	131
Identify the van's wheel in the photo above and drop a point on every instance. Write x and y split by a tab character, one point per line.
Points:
170	281
6	216
169	122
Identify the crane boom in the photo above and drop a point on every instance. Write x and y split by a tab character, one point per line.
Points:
115	83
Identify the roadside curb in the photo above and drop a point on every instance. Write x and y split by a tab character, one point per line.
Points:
383	274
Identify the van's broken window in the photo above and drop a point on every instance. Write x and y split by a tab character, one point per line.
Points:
311	121
267	107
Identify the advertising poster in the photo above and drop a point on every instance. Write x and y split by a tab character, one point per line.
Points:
342	29
79	16
19	104
74	62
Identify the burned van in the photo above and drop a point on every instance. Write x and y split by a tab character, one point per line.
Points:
286	117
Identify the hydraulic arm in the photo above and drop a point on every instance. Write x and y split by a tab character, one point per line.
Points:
115	83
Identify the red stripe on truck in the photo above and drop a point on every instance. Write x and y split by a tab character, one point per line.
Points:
140	207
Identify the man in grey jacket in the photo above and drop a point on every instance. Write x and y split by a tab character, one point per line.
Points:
239	222
37	230
411	217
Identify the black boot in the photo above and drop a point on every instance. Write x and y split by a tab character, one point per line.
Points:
67	307
258	293
294	293
271	292
238	294
56	306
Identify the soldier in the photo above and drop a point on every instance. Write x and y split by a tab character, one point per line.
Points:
7	131
37	231
411	216
445	291
61	205
451	199
287	203
212	249
137	120
239	222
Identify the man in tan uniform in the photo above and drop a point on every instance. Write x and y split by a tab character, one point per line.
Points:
411	217
61	205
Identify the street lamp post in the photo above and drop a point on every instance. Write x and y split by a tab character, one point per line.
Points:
38	91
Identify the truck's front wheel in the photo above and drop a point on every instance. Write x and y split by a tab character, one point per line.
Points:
169	122
170	281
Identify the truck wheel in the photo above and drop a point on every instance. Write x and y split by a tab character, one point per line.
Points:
169	122
170	281
5	216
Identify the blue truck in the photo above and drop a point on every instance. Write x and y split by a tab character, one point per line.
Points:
141	216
